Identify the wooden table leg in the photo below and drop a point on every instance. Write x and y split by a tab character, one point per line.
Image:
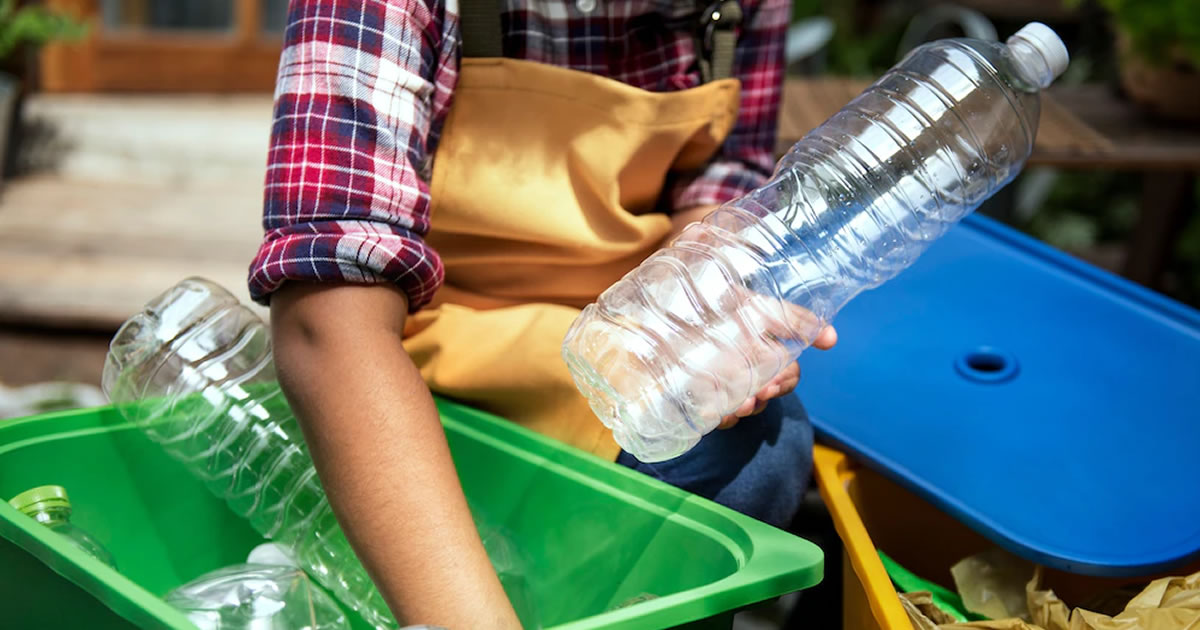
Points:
1167	199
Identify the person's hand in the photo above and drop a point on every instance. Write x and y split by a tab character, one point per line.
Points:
800	319
781	385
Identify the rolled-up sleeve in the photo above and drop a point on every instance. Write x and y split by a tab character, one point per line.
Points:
362	91
747	157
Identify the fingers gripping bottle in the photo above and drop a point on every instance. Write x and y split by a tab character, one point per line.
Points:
703	324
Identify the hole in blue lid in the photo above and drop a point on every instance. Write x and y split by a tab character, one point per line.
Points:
987	365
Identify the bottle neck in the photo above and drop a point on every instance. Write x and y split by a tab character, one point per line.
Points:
49	515
1031	63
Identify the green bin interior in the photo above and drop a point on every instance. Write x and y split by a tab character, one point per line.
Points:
592	533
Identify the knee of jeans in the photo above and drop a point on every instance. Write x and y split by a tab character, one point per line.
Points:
760	468
771	486
775	500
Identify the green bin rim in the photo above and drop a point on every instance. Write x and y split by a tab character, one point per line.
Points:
771	562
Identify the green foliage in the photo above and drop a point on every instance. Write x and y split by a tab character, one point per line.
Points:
1162	31
33	26
865	42
1186	268
1087	208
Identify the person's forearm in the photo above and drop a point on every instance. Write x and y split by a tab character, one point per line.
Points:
379	448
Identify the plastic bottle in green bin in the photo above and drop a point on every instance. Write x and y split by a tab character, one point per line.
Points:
50	506
194	370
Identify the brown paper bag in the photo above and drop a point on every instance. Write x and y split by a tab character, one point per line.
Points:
1045	608
1165	604
922	612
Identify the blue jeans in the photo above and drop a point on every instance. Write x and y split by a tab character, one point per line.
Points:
761	467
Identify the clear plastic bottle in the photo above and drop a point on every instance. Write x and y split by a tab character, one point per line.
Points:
50	506
194	371
257	597
702	325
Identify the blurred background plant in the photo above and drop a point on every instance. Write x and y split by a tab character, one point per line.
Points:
33	26
23	30
1161	31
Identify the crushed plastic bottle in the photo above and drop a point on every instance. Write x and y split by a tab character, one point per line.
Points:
257	597
705	323
194	371
50	506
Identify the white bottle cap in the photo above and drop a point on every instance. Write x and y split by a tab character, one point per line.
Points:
1046	41
273	554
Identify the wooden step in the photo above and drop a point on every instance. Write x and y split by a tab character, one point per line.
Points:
176	139
88	254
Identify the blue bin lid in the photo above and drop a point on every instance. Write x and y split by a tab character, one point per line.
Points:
1049	405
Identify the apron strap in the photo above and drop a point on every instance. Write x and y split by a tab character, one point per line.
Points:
718	40
479	28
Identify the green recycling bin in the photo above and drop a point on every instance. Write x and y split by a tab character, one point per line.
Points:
593	534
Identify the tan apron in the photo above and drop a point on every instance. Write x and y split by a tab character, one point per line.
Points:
544	189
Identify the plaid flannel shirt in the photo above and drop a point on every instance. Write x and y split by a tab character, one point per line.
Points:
364	87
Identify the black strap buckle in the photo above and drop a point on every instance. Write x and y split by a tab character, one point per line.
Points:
715	38
722	15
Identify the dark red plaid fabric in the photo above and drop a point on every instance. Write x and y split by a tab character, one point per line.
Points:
364	87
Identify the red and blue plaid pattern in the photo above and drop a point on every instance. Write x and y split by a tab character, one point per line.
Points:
364	87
